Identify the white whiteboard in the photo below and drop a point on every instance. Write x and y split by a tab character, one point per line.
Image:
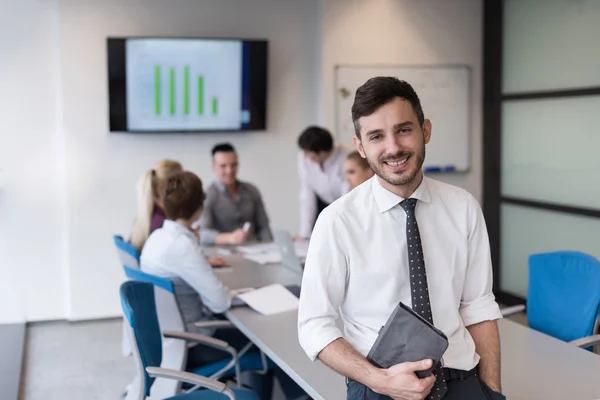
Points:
444	92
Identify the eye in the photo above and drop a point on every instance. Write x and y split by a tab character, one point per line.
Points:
405	130
375	137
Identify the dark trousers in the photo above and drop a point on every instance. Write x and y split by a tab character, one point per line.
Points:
200	355
321	205
468	389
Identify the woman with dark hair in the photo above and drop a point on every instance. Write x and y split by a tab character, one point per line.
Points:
173	251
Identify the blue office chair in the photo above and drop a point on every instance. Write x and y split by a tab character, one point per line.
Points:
137	301
563	298
176	340
128	254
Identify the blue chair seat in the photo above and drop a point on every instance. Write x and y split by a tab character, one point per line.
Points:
248	362
240	394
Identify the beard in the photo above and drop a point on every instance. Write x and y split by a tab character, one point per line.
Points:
404	177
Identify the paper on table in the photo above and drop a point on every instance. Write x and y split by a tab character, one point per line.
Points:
257	248
270	299
264	258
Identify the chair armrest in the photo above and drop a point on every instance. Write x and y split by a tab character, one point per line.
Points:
508	311
157	372
203	339
586	341
214	324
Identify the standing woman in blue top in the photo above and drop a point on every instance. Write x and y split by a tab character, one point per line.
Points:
322	175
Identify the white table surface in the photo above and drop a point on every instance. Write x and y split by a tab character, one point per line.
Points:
534	365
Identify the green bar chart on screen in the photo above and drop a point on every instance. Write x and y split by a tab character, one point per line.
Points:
180	88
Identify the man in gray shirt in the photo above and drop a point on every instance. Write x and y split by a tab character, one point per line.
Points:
231	203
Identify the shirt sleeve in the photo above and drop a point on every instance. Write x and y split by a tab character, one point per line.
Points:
478	303
193	268
263	230
308	200
323	287
208	237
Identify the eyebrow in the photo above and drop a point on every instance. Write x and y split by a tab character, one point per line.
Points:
396	127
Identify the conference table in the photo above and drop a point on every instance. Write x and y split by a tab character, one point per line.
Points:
534	365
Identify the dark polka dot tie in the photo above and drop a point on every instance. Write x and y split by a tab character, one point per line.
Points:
418	283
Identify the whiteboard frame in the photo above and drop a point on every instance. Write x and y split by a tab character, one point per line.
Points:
470	96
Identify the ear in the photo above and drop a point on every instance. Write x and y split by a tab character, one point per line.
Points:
427	130
359	146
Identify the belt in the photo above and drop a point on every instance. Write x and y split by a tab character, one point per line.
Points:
449	374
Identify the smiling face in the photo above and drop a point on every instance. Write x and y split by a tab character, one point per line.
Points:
393	142
225	166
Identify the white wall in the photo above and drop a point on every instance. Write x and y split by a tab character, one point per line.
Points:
405	32
102	167
32	197
70	183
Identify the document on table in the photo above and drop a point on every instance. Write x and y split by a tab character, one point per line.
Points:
264	258
257	248
270	299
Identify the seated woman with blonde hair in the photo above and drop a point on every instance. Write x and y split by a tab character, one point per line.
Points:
150	210
357	169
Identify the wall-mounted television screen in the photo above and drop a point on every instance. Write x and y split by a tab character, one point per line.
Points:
186	84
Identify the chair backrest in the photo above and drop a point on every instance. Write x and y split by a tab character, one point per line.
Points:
127	253
174	352
137	301
564	294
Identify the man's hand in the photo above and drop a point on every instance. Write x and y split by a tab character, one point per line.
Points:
400	382
217	262
238	236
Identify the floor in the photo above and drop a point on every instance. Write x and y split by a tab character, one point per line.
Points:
12	344
68	361
74	361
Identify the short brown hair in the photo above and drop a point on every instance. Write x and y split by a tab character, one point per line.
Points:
183	195
379	91
358	159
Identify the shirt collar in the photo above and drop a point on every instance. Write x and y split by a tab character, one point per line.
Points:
386	200
174	226
222	187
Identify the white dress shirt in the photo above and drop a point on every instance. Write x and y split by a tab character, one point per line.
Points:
357	267
173	251
327	182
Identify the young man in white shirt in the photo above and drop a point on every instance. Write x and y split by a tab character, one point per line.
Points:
401	237
321	169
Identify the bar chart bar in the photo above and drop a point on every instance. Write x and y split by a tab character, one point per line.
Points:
157	90
172	91
186	90
200	95
214	106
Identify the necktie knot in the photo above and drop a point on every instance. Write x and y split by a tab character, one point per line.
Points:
408	205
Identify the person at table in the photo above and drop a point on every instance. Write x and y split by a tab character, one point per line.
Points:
173	251
401	237
357	169
321	173
232	203
151	216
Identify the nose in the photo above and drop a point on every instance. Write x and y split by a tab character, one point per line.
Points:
393	145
